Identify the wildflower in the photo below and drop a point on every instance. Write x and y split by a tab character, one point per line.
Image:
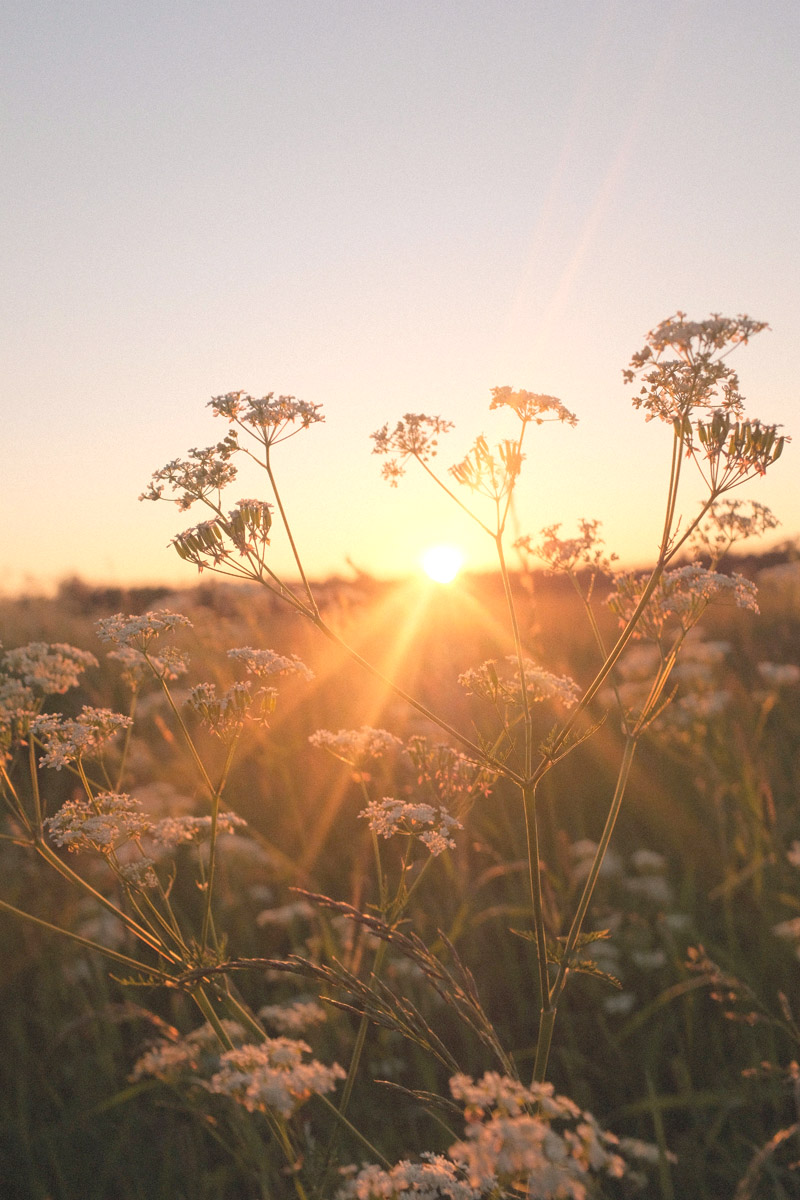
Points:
101	823
778	675
793	854
18	705
493	474
293	1018
415	436
139	631
445	773
357	747
271	1076
169	1059
505	1143
695	390
201	476
532	407
139	874
172	832
271	418
567	555
681	596
435	1178
389	816
225	715
730	521
501	682
267	662
68	740
48	669
169	665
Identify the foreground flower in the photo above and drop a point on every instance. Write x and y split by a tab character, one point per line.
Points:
100	824
270	418
500	682
272	1076
530	406
170	1059
518	1141
69	740
134	634
680	598
415	436
430	826
266	662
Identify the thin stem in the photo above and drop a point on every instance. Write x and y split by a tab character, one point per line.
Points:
288	529
547	1022
534	870
453	496
212	850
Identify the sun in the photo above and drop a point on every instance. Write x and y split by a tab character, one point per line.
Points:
442	563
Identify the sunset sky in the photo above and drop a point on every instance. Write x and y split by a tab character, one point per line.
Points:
380	206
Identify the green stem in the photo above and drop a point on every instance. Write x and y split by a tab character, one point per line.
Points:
532	833
548	1016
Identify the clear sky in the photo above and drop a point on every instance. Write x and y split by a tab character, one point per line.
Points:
381	206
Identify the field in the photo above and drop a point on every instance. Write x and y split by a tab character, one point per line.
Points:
359	890
681	1056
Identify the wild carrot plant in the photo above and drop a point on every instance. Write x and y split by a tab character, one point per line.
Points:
519	1137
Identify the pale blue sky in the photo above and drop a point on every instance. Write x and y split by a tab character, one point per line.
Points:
382	207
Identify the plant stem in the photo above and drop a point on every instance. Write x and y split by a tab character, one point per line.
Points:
548	1016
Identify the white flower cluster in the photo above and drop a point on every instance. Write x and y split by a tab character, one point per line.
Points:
433	827
50	669
225	715
272	1076
266	662
170	1059
69	739
569	555
530	406
435	1178
415	436
681	597
181	831
501	683
101	824
518	1140
271	415
139	631
295	1017
357	747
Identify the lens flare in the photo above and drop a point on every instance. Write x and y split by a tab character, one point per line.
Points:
442	563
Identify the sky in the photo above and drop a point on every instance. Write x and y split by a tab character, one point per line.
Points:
379	206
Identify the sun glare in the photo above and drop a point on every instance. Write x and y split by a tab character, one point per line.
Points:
442	563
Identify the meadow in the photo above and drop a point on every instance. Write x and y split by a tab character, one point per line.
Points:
363	889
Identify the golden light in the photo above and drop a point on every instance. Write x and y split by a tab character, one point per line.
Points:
442	563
